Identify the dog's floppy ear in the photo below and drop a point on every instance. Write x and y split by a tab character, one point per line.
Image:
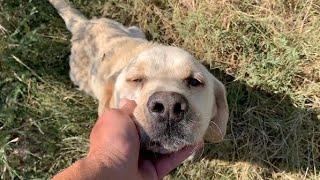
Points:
103	87
220	114
106	96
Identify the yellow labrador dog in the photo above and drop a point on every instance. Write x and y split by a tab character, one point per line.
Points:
178	101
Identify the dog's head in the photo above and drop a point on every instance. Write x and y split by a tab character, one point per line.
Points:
179	101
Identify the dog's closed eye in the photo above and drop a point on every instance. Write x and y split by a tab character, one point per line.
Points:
136	79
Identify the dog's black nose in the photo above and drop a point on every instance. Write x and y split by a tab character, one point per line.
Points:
167	106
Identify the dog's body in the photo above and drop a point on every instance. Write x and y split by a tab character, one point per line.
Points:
178	100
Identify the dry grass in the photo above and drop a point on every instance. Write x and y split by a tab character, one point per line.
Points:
266	52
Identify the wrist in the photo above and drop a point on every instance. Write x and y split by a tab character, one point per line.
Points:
105	168
92	168
84	169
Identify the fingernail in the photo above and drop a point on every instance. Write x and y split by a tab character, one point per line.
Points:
197	146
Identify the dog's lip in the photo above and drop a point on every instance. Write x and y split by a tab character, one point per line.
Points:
158	147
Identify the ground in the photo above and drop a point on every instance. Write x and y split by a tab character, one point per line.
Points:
267	53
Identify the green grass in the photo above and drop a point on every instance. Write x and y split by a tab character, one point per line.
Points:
266	52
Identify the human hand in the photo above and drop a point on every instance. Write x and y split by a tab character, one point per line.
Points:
115	151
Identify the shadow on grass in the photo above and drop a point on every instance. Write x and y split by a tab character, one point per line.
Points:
267	130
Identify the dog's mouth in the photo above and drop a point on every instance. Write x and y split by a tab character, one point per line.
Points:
164	145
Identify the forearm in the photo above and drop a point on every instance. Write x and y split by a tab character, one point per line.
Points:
82	170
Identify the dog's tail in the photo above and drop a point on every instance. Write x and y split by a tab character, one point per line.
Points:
72	17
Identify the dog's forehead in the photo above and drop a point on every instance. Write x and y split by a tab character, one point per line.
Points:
164	60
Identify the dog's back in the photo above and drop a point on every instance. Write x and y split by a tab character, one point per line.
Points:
97	40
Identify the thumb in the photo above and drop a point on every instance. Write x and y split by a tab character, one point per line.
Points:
127	106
